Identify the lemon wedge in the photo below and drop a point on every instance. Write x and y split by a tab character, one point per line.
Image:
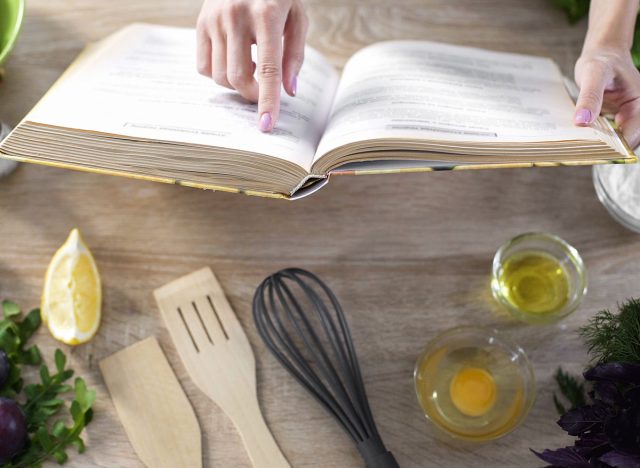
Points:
72	296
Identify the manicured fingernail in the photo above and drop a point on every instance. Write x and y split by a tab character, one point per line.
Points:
265	122
294	85
583	116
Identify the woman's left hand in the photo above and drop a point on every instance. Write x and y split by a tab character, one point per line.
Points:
609	82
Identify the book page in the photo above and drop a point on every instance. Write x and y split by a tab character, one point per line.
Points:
439	92
142	83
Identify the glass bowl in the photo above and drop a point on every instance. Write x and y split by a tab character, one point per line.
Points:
559	281
609	197
473	384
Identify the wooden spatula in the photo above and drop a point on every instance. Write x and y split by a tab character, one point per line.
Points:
153	408
218	357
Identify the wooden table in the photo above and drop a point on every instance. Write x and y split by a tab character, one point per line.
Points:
408	255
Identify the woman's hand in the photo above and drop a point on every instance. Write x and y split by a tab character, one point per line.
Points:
610	82
226	30
605	73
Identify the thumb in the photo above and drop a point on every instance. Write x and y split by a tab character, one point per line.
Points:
592	86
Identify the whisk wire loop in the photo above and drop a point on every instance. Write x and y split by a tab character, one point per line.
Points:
312	340
301	323
343	348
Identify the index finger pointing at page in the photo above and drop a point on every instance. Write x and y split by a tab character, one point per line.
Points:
269	69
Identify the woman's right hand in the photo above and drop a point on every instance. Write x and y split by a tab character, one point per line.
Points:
226	30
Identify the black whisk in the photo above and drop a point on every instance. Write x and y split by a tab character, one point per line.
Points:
303	325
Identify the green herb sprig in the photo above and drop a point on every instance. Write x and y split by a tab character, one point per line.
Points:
50	436
614	337
571	389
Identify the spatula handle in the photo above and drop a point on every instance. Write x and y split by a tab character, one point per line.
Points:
258	440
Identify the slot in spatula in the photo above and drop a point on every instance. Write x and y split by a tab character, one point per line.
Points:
218	357
155	412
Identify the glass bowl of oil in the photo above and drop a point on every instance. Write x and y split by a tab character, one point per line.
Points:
473	384
538	278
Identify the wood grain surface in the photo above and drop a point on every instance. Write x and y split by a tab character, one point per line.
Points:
408	255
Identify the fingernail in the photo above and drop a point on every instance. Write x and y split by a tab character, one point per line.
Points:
265	122
583	116
294	85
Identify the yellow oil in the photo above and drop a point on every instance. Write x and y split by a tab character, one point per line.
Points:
534	283
475	393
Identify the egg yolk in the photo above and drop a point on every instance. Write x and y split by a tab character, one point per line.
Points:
473	391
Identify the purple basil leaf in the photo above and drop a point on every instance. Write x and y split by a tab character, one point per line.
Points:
615	372
620	460
579	420
632	396
608	392
592	445
623	429
566	457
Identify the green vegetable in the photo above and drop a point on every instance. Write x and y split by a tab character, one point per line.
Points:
575	9
578	9
41	402
571	389
614	337
606	424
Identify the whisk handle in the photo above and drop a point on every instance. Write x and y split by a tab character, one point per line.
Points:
384	460
375	455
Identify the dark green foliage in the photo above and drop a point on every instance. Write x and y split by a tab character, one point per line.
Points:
50	436
53	442
574	9
571	389
607	427
578	9
14	333
614	337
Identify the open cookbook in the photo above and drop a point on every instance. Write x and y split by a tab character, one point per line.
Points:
134	105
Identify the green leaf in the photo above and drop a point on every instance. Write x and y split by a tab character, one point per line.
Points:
61	360
30	356
79	443
60	456
84	397
560	408
42	437
55	402
45	399
10	309
571	389
44	374
30	324
59	429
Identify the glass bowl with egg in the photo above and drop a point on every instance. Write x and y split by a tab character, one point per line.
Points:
473	384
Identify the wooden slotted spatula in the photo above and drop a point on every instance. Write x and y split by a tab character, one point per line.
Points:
153	408
218	357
